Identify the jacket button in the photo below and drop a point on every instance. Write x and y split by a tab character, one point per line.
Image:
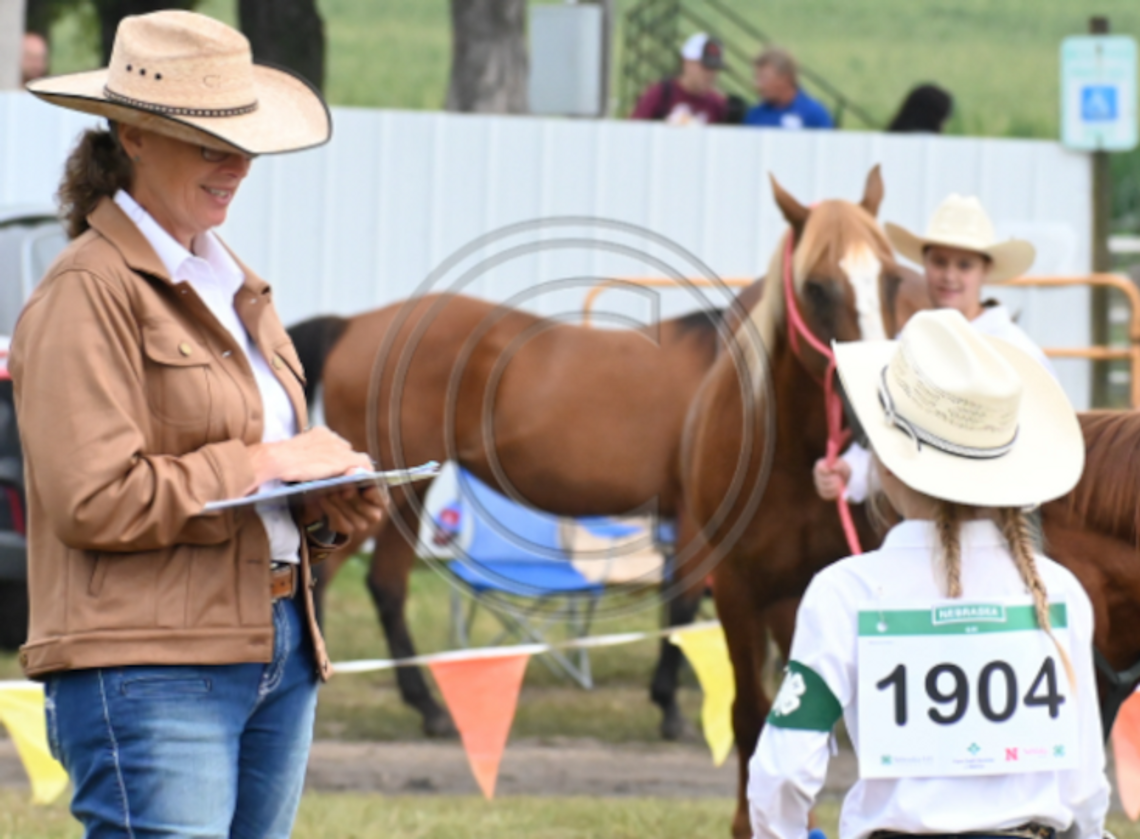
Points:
185	348
276	362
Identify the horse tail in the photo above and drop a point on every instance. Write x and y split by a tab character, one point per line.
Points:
314	339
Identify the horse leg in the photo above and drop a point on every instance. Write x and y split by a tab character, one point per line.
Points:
392	562
746	635
680	611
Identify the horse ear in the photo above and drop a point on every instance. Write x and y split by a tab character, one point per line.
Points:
794	212
873	191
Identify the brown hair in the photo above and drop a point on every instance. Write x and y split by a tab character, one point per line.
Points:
780	60
97	168
1020	534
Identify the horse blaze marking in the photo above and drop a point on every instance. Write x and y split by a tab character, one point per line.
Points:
863	269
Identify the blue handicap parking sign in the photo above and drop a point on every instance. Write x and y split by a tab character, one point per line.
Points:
1098	103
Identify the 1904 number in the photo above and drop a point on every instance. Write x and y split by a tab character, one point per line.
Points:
1042	692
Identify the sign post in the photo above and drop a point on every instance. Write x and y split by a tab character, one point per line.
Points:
1098	115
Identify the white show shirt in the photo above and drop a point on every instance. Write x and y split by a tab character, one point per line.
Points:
216	278
994	322
789	766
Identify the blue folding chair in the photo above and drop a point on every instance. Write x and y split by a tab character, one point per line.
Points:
515	565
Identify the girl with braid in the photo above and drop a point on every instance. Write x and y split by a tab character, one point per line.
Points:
958	656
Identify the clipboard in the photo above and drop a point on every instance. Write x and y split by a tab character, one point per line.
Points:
394	477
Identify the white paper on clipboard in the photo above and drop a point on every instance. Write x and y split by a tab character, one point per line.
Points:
395	477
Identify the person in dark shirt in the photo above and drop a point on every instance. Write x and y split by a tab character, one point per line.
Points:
691	97
782	103
925	111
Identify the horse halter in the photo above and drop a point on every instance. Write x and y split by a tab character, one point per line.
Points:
837	435
920	435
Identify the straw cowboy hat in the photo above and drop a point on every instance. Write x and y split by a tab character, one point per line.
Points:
191	77
961	416
961	222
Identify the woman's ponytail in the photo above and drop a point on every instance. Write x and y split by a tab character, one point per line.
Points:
97	168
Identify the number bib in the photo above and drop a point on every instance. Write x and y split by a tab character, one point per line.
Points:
963	688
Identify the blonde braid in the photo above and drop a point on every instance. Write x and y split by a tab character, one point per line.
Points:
946	520
1018	532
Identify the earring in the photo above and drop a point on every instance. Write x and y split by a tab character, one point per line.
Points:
136	158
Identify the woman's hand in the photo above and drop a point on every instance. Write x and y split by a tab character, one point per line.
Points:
315	454
830	480
353	511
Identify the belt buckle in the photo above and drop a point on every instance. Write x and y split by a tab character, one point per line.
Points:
282	580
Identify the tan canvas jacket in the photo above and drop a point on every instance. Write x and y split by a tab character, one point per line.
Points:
135	408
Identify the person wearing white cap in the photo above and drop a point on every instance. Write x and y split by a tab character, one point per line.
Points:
958	656
691	98
178	648
959	254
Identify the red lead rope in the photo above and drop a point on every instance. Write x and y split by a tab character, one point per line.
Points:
837	435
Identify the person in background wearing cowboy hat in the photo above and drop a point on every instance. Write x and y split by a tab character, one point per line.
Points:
959	254
178	649
959	657
690	98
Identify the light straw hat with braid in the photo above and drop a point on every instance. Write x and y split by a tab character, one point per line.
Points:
191	77
961	416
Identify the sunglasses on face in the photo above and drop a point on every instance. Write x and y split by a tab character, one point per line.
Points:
217	156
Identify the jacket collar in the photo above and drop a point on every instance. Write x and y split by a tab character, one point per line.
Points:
109	220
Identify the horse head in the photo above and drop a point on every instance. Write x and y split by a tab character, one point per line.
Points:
843	276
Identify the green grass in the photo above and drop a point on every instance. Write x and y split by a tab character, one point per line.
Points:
367	706
999	57
442	817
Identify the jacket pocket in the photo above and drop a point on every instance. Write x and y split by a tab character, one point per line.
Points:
178	377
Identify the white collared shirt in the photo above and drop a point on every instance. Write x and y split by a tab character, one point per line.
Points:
216	278
790	765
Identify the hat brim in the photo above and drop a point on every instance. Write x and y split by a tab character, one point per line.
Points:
1045	462
291	115
1008	259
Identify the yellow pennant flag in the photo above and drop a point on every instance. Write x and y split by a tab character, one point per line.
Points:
707	651
22	713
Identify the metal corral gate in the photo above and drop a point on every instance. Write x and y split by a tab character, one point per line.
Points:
362	221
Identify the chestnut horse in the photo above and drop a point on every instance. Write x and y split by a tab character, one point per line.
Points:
583	422
747	457
571	420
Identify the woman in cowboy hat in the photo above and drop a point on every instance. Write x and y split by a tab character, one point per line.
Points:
959	254
959	657
178	648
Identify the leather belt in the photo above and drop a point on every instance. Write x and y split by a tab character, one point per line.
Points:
1029	830
282	580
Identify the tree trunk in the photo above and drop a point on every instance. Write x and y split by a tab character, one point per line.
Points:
288	33
113	11
489	61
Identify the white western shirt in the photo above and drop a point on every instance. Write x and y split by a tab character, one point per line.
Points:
789	766
216	278
995	322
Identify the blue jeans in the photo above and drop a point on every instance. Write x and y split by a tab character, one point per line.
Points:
211	752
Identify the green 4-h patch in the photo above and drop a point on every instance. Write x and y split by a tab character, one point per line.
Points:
804	701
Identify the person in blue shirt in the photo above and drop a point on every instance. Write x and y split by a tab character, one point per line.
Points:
782	103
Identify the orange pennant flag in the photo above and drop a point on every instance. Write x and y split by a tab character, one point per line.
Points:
482	694
1126	748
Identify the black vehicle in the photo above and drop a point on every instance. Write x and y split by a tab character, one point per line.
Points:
30	238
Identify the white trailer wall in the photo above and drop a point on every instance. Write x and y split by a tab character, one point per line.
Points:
362	221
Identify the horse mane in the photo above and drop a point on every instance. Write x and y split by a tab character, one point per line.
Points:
833	229
1105	498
